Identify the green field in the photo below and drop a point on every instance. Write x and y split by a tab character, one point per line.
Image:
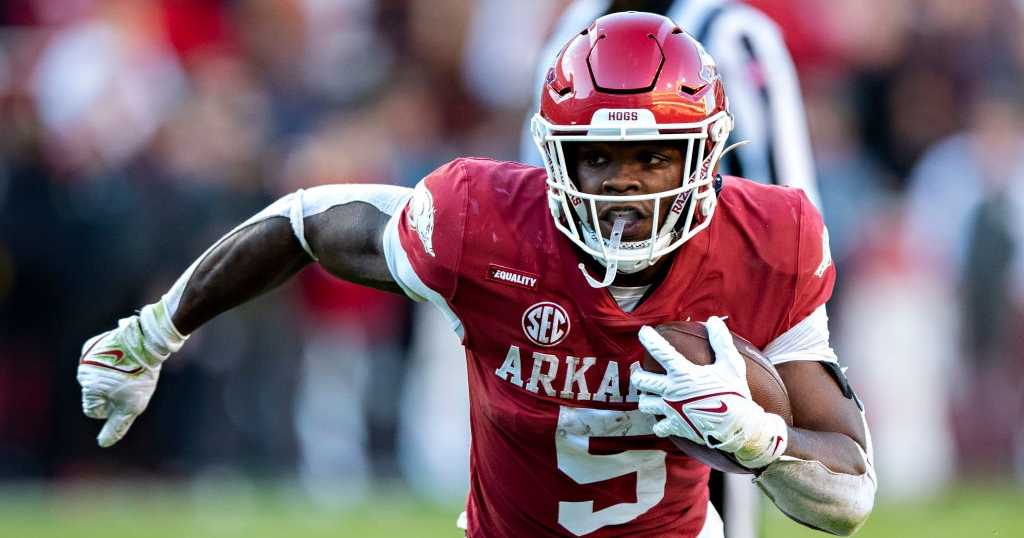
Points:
966	511
157	510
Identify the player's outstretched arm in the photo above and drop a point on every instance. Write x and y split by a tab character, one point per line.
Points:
341	226
346	239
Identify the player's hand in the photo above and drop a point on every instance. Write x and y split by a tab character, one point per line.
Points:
119	369
710	404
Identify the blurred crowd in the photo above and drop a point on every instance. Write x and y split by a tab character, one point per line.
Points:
134	133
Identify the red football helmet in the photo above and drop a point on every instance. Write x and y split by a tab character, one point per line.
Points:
633	76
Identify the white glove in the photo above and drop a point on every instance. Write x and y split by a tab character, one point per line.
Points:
118	369
709	405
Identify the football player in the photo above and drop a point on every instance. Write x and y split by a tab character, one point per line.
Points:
552	278
764	97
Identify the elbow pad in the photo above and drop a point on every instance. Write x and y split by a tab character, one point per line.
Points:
813	495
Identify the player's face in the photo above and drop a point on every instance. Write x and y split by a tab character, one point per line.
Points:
629	168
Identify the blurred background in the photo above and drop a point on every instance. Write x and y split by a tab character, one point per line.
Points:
134	133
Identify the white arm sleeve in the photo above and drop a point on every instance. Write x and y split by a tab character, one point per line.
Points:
297	206
806	341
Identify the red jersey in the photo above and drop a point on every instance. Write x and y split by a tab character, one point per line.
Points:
558	445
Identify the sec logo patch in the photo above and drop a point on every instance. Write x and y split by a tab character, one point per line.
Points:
546	324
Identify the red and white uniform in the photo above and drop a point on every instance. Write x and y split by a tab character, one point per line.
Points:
558	445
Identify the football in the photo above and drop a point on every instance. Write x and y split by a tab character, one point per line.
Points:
690	338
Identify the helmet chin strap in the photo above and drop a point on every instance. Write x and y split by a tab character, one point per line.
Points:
611	254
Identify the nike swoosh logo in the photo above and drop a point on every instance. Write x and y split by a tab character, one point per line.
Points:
722	408
116	355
